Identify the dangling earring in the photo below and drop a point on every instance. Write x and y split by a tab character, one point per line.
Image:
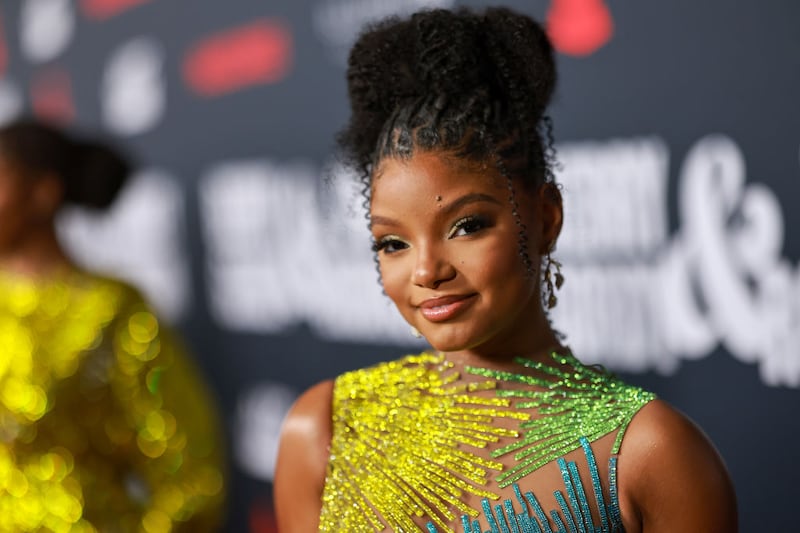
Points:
552	282
415	332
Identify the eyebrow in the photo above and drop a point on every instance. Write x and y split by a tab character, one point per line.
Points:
467	199
455	205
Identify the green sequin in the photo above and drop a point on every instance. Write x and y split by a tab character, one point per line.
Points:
411	440
579	401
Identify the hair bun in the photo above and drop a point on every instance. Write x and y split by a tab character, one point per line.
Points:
447	53
496	67
92	172
524	53
98	174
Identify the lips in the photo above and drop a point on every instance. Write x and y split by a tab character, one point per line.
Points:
445	307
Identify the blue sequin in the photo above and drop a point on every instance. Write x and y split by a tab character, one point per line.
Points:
511	516
575	510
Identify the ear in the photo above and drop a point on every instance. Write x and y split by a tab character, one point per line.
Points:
552	216
47	195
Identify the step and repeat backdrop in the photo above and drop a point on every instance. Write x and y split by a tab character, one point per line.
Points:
678	132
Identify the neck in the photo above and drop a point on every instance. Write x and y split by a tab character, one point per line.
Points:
38	255
537	345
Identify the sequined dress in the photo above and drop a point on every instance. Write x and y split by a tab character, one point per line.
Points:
423	444
104	423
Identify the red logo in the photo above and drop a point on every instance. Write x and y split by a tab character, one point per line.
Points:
105	9
579	27
51	95
262	517
257	53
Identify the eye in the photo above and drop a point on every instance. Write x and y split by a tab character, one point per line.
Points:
467	226
389	244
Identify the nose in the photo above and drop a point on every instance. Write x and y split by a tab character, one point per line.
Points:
431	268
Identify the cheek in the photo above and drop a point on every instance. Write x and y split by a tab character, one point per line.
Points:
498	260
501	274
393	278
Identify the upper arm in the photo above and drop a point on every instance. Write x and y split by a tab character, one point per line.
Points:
302	461
671	478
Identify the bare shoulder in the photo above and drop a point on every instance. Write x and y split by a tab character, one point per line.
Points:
302	460
671	478
309	419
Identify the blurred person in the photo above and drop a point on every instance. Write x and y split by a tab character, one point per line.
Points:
105	424
499	427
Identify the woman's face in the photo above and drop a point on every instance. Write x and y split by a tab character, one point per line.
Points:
449	251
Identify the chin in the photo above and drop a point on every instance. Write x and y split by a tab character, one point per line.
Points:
446	347
450	343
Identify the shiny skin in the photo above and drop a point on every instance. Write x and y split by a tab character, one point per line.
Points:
670	476
447	232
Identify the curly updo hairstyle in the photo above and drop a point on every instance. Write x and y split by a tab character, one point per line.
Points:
92	173
472	84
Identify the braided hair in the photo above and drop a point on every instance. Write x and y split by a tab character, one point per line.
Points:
472	84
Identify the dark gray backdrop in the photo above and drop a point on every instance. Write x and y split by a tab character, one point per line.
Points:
671	74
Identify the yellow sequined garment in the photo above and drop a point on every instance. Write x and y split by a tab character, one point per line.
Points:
104	423
416	441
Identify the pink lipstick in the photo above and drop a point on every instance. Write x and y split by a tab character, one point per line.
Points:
445	307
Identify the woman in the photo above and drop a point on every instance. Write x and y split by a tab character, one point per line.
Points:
500	428
104	423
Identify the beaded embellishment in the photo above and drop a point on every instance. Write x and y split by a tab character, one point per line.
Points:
407	437
574	508
582	401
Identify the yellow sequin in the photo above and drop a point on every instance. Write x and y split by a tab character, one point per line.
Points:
373	478
104	423
411	441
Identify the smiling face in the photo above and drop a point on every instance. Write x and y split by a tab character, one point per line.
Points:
449	252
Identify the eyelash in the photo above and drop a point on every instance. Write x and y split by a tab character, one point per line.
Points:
384	242
470	224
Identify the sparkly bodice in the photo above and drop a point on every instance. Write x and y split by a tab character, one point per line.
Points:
104	424
421	444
